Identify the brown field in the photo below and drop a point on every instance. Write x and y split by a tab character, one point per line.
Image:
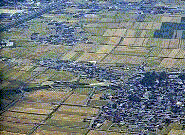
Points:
30	110
78	110
46	96
16	127
68	120
76	99
48	129
24	116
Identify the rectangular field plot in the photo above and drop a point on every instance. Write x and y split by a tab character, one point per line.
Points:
100	39
98	103
52	52
16	127
128	41
40	69
68	120
123	59
86	47
105	49
26	76
69	55
91	57
50	130
46	96
111	58
29	110
138	51
25	116
83	91
76	99
62	76
16	120
135	60
75	110
35	105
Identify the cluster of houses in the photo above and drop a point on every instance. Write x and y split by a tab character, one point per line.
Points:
147	108
61	33
6	43
85	69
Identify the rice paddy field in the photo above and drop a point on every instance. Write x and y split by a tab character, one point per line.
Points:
108	38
